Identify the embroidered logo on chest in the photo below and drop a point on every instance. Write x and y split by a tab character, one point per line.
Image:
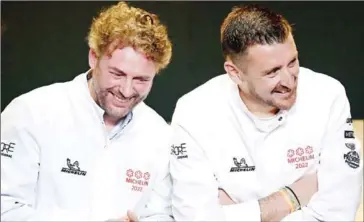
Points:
300	156
138	179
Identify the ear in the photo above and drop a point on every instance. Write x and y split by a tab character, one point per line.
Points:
92	59
233	72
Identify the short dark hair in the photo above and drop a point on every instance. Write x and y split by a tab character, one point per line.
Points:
250	25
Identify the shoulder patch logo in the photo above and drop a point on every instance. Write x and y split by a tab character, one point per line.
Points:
349	134
350	146
352	158
7	149
179	151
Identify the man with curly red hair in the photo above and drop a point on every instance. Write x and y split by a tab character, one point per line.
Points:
90	148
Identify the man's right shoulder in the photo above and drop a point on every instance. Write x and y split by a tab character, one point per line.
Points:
41	100
206	94
43	95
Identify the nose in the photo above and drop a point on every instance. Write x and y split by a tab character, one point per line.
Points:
288	78
126	88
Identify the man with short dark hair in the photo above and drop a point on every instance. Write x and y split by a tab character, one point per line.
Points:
267	141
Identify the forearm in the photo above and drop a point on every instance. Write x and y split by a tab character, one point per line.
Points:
273	207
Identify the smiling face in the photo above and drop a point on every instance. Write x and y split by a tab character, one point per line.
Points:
121	81
261	58
267	76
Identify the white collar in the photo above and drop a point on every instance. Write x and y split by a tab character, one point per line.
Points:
100	112
277	120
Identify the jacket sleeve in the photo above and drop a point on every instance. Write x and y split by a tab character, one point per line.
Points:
340	172
20	168
246	211
195	190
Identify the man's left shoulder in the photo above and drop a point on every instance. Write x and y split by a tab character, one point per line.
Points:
150	119
320	84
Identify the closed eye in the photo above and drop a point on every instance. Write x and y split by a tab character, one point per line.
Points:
274	70
292	62
142	79
116	72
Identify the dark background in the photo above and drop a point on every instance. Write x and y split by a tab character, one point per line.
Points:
44	42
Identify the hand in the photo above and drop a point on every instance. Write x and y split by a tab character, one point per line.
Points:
305	188
130	217
224	198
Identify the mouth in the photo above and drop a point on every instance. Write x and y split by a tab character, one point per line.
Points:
285	93
121	100
282	91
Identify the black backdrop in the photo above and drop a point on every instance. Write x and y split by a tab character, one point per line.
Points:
44	42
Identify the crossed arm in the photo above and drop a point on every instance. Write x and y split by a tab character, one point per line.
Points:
275	207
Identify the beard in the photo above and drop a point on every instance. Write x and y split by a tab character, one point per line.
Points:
273	102
105	99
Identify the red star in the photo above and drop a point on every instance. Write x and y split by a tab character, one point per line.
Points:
146	176
290	153
138	174
299	151
129	173
309	150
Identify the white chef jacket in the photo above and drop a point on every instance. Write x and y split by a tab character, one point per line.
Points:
58	162
218	143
